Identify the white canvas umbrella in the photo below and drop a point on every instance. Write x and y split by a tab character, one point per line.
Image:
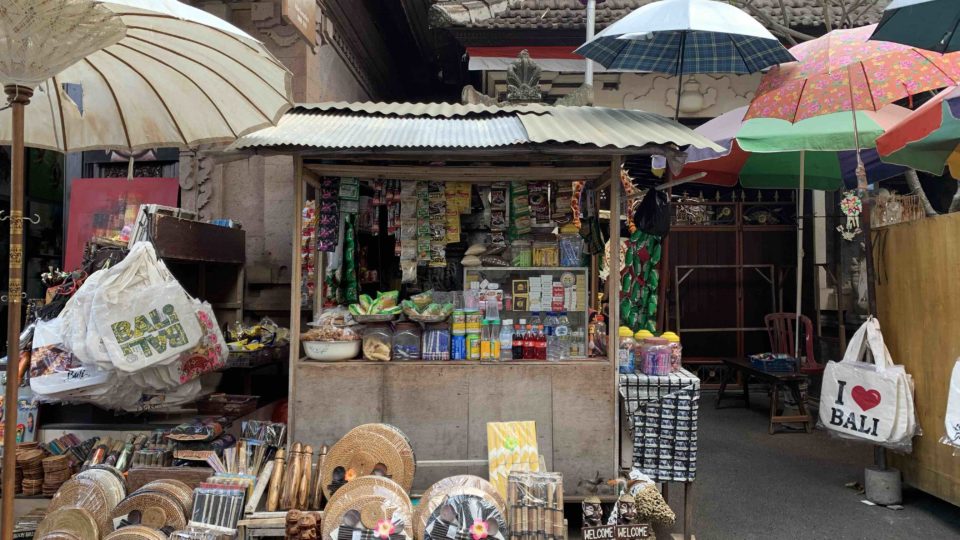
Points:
152	73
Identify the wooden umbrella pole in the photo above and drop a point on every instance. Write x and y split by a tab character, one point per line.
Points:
18	96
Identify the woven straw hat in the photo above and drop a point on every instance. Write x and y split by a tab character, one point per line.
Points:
157	510
375	498
359	452
135	532
71	520
88	494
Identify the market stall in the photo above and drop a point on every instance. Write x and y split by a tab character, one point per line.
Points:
433	152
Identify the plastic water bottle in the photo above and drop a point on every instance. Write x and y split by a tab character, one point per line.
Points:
506	340
561	336
549	325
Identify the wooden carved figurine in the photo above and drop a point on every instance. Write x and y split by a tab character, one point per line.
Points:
592	512
626	510
303	494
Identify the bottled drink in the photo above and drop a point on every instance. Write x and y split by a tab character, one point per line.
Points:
535	320
506	340
561	336
549	325
494	340
530	344
541	344
485	340
518	340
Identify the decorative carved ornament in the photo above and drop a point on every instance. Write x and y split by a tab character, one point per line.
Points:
523	80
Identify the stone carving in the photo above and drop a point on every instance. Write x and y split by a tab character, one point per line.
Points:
197	188
523	80
267	20
657	93
471	96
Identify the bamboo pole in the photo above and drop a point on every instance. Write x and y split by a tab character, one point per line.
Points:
19	97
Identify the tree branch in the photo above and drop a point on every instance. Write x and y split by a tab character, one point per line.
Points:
913	182
788	33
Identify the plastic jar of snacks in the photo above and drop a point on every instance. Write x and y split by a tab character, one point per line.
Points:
521	253
656	357
377	339
436	342
676	350
571	249
545	254
406	341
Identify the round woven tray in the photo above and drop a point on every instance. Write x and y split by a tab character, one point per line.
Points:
136	532
121	480
71	520
375	498
88	494
174	488
433	498
382	317
112	483
468	505
157	510
359	452
400	441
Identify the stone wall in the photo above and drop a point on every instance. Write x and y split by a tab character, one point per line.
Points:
258	192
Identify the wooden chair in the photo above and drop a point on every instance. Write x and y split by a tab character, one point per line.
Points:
780	329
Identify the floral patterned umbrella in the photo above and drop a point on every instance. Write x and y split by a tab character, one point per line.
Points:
844	71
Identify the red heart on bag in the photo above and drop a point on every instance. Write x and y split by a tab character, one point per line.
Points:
866	399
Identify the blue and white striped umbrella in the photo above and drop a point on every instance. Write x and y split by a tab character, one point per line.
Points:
683	37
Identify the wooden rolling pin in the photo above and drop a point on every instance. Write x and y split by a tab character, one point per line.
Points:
276	481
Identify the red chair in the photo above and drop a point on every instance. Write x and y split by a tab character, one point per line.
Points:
780	329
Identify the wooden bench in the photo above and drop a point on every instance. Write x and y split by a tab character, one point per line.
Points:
791	381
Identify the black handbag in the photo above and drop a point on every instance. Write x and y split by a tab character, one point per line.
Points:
653	214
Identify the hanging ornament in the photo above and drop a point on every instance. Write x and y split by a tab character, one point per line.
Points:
851	206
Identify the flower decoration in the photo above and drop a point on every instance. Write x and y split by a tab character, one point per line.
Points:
351	474
851	206
385	527
479	529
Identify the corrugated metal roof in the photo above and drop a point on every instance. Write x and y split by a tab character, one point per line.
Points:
339	130
432	110
444	125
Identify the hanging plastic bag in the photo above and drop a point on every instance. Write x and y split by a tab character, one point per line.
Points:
49	354
653	214
866	396
952	419
142	314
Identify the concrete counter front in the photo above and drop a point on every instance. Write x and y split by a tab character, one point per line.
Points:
444	407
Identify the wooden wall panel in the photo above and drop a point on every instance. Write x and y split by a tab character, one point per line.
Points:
919	305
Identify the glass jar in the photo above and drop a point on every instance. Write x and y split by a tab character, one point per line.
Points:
436	342
406	341
656	357
521	253
377	339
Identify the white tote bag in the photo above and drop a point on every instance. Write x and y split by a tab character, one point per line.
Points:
951	421
867	396
142	314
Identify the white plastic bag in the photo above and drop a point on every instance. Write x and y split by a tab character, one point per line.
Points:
142	314
951	421
868	397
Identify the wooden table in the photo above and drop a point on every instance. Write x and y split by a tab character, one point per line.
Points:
776	381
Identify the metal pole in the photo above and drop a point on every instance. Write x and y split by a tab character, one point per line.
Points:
18	96
591	28
796	334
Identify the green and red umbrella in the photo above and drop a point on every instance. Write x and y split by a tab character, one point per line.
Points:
929	138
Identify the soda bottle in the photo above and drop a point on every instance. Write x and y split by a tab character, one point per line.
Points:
530	344
541	344
518	340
